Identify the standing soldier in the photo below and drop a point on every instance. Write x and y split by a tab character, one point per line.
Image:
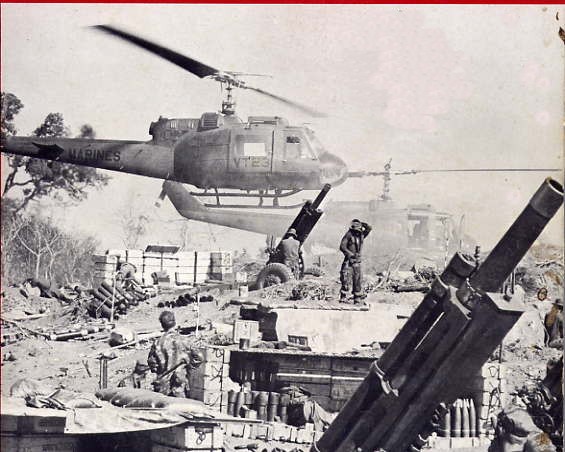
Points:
170	352
351	245
289	249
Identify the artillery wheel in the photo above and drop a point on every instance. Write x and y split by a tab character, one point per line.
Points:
314	270
273	274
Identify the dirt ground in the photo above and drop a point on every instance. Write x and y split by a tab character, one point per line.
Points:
74	366
65	363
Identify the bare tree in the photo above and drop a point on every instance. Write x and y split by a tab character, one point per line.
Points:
185	237
41	239
132	222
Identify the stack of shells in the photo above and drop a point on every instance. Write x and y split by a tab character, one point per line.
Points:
263	405
461	420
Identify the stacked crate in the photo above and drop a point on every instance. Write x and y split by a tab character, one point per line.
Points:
221	266
490	395
202	265
189	437
185	270
185	267
210	381
105	267
273	431
40	432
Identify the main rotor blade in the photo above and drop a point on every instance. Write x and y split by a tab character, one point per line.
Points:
189	64
298	106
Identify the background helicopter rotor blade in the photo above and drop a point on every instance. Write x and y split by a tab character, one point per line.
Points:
455	170
189	64
298	106
478	170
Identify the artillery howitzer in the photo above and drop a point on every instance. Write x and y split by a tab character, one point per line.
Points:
275	271
448	338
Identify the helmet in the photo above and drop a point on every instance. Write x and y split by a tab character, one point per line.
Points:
292	232
356	225
167	319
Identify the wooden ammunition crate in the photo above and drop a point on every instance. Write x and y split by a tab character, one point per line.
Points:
33	424
192	437
39	443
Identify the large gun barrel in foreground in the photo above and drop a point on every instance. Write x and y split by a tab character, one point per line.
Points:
448	338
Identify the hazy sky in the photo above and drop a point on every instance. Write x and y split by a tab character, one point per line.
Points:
428	86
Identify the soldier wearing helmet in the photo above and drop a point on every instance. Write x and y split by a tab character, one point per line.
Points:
351	246
290	252
168	352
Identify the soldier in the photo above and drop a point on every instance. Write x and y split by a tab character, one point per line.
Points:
351	245
303	409
553	323
169	352
290	252
138	378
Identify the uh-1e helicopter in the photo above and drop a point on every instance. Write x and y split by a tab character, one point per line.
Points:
263	157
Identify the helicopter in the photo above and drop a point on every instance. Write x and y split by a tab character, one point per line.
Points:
262	158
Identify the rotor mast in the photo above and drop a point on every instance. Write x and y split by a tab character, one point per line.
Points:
228	104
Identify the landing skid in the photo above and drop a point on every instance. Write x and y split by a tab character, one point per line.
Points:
261	195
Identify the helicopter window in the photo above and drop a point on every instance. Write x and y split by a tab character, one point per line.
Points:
317	148
254	150
295	148
248	146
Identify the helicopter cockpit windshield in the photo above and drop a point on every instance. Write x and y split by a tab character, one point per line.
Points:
297	146
315	144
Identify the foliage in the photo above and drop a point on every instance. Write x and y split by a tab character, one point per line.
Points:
86	131
39	178
134	226
11	106
53	126
34	246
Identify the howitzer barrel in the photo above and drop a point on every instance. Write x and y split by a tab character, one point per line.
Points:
309	216
519	238
321	196
447	339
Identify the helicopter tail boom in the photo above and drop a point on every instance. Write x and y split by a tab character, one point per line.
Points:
135	157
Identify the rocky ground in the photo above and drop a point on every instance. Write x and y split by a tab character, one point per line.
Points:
73	364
